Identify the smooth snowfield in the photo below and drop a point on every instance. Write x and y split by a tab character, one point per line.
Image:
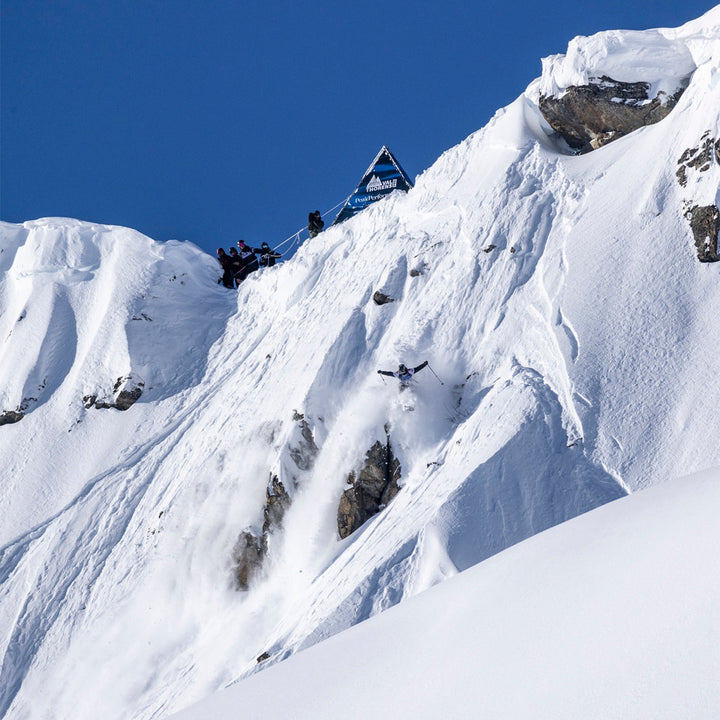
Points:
558	299
611	615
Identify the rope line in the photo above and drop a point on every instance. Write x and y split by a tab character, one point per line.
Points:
296	236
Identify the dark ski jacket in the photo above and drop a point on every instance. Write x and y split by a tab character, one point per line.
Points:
226	262
236	263
315	223
403	375
247	259
267	255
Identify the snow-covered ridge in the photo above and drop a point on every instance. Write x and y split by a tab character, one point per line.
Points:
562	310
663	57
84	305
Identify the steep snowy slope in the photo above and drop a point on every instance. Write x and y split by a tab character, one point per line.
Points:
82	307
613	614
557	297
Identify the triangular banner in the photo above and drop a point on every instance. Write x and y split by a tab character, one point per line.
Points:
382	177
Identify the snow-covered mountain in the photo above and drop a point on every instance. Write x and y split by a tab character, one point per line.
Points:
188	471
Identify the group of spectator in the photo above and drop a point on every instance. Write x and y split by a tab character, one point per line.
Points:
238	264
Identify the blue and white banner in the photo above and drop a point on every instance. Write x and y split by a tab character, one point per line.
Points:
382	177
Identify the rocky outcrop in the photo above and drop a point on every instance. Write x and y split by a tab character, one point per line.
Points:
304	451
703	219
698	158
252	548
127	390
380	298
11	416
590	116
277	503
704	224
8	417
370	490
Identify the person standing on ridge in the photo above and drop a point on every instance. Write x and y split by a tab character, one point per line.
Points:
267	255
315	223
403	374
235	264
248	261
226	263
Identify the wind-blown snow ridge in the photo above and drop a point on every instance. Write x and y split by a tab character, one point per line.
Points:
557	299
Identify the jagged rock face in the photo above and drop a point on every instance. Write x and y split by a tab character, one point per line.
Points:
277	503
251	548
704	224
10	416
699	158
305	452
370	490
590	116
703	219
127	391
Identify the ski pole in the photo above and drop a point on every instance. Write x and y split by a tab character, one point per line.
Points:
435	374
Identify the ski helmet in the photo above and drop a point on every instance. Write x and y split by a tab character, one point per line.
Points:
402	368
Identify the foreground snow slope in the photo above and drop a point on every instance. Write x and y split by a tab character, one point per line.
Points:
611	615
557	298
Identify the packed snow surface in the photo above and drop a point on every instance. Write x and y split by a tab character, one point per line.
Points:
570	332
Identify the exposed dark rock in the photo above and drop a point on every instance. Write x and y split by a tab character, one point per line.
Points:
704	223
415	272
277	502
263	657
489	248
127	398
380	298
590	116
127	391
251	549
248	556
11	416
305	452
699	158
370	490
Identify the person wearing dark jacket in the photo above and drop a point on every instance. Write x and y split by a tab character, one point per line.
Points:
403	374
248	261
315	223
226	263
236	265
267	255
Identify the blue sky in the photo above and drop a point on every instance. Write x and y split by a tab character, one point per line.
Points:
215	120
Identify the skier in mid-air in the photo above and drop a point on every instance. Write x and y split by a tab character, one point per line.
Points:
403	374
